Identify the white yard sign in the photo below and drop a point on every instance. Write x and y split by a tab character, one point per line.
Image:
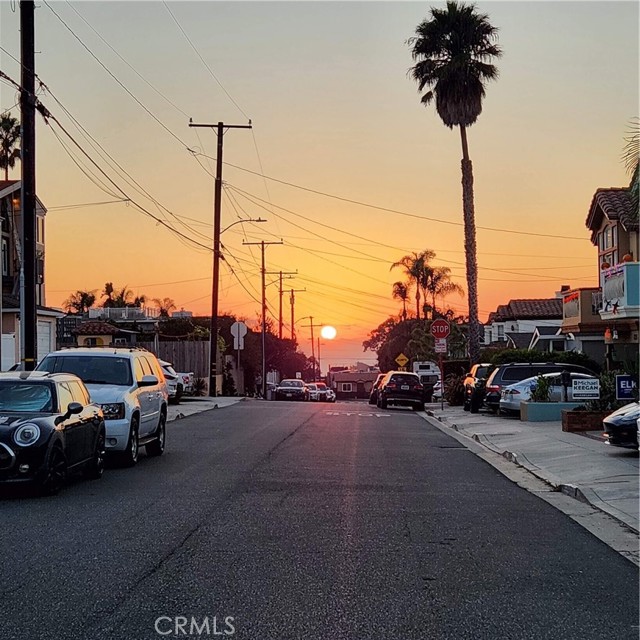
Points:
585	389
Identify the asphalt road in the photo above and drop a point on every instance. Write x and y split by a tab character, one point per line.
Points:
270	520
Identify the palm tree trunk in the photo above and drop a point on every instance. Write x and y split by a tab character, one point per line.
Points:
417	302
470	249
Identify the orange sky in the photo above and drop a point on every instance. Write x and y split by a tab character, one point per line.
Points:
333	113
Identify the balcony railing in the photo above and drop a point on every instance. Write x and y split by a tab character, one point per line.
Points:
620	286
124	313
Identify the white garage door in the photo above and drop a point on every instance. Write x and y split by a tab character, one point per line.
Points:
44	339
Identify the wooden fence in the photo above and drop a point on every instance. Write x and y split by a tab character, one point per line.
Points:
184	355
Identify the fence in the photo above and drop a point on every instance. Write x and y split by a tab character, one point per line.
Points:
183	355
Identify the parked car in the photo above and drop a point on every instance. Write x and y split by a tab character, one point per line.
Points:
292	389
373	396
506	374
514	394
49	428
318	391
621	426
474	386
401	388
129	385
313	391
331	395
175	388
436	396
188	379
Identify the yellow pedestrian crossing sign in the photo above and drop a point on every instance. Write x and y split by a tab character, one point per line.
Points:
402	359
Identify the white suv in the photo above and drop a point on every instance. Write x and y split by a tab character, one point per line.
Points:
130	387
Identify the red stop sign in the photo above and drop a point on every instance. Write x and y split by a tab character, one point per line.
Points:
440	328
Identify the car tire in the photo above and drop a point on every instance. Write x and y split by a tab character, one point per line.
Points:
156	448
179	393
55	475
95	469
383	403
129	456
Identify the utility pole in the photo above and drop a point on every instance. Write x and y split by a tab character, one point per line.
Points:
292	300
313	353
289	274
213	326
28	308
263	244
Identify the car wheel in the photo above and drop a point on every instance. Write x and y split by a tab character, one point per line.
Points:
383	403
96	466
56	472
130	455
466	405
179	393
156	448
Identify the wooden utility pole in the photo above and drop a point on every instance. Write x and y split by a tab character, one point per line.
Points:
213	325
292	300
263	270
28	308
289	274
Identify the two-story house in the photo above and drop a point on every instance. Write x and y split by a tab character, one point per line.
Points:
11	261
527	324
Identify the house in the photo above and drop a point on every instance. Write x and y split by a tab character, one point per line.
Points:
521	323
11	260
352	384
603	320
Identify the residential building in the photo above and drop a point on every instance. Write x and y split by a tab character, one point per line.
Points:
11	261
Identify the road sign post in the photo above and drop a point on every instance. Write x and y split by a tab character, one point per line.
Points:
440	330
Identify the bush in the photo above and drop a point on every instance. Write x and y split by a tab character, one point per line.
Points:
607	400
454	390
542	391
199	386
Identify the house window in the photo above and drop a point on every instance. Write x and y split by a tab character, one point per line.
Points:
500	332
347	387
5	257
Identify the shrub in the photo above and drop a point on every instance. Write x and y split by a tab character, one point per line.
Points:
542	391
607	400
454	390
199	386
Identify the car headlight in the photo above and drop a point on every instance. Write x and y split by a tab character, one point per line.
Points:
26	435
113	411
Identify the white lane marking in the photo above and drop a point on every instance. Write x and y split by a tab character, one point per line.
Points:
355	413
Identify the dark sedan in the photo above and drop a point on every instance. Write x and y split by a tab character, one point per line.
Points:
49	428
401	388
621	426
292	389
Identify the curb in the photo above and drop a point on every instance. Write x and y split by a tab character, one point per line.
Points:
582	494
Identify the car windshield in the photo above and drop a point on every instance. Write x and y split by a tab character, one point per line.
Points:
25	396
321	386
312	387
404	379
91	369
291	383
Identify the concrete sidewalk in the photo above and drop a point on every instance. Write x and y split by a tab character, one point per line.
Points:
580	466
190	405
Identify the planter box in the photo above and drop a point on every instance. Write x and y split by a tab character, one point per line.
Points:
583	420
545	411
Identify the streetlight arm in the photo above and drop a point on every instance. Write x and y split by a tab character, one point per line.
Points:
241	221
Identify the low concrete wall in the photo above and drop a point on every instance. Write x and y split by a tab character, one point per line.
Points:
545	411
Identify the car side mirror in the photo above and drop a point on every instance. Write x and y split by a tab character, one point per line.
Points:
148	381
72	409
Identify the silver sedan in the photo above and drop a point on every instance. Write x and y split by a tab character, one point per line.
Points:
518	392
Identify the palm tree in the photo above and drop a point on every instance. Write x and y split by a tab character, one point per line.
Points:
453	50
166	306
415	267
440	284
80	301
9	138
630	157
401	292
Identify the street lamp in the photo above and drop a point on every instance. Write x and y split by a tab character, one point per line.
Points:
213	325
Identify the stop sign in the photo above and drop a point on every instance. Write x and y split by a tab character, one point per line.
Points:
440	328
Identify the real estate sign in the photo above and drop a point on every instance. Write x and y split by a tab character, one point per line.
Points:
585	388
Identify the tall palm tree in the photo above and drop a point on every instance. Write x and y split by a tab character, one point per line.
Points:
453	50
9	138
415	267
166	306
401	292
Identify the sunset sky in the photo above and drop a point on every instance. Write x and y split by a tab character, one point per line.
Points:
336	122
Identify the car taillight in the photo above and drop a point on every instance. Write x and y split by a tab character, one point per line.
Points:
418	387
493	387
391	385
515	392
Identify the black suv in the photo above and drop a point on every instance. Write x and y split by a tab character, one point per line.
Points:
506	374
401	388
373	396
474	386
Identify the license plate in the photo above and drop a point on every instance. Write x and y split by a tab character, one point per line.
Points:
405	387
288	395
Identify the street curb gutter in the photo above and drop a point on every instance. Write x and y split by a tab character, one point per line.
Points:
582	494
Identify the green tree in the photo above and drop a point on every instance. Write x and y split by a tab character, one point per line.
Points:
9	138
401	292
453	50
80	301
